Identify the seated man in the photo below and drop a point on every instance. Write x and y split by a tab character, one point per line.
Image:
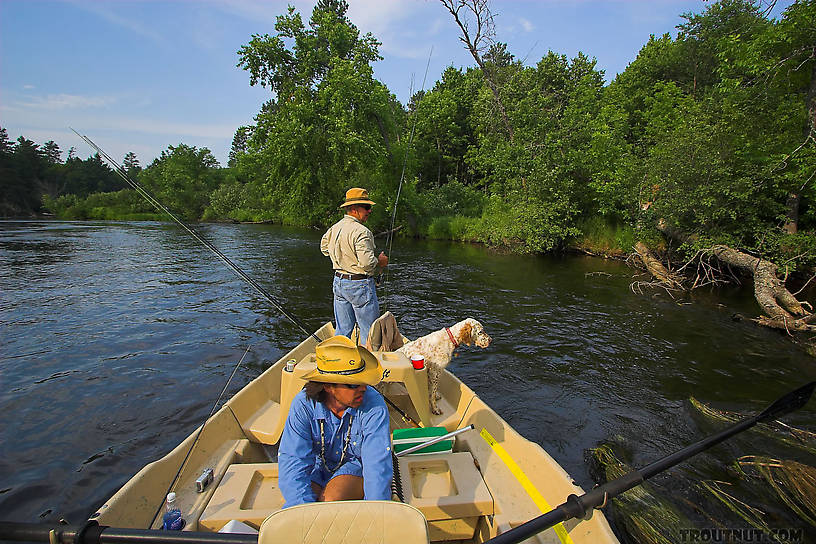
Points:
336	443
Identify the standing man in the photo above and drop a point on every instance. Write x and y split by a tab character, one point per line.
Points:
350	245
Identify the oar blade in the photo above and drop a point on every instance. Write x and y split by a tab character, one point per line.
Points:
789	403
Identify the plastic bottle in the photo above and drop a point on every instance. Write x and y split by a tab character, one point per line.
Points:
172	520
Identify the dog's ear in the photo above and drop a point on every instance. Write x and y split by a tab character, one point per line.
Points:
466	334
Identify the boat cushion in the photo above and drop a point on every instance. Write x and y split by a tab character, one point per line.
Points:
346	522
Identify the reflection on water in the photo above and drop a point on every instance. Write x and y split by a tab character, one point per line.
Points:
117	338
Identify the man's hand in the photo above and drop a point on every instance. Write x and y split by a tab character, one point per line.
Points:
382	260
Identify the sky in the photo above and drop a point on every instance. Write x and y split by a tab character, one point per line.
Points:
139	76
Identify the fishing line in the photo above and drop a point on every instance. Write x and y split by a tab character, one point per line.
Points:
390	237
203	241
200	429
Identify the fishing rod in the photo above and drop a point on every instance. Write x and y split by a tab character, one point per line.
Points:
203	241
390	236
200	430
574	507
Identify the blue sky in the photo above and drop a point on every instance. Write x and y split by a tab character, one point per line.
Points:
141	75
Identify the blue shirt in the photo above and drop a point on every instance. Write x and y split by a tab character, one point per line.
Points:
368	453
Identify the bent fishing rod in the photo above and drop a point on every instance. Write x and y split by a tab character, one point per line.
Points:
390	236
574	507
136	186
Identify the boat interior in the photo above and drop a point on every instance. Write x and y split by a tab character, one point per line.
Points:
490	481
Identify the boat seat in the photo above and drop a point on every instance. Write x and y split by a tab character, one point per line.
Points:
448	490
346	522
266	425
247	493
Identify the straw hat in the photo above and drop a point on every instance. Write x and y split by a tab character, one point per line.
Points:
355	195
340	360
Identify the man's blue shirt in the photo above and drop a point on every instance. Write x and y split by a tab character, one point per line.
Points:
368	453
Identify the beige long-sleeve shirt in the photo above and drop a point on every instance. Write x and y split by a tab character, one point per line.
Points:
350	245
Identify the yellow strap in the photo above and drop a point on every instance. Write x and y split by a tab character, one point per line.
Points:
525	482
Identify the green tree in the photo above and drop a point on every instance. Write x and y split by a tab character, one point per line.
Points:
131	165
182	178
330	123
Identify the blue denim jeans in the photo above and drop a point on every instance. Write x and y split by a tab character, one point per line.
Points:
355	301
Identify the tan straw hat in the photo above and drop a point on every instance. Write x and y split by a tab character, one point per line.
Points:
340	360
355	195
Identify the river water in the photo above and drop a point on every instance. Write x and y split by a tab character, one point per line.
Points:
118	337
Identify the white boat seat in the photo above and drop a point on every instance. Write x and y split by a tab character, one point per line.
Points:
346	522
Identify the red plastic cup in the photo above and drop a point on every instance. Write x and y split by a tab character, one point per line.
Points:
418	362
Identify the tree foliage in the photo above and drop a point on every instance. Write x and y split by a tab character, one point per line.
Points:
713	131
330	124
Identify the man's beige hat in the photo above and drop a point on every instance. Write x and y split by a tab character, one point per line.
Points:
355	195
340	360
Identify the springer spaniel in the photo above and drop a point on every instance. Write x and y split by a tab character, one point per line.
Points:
437	348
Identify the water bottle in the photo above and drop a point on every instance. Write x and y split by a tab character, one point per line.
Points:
172	520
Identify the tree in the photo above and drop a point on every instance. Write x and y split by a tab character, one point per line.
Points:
182	178
131	165
239	144
51	152
477	35
329	122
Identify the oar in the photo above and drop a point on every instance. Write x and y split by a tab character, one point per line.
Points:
578	507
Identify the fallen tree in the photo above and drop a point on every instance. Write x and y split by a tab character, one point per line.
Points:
781	309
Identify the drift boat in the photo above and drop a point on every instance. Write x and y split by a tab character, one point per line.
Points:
490	480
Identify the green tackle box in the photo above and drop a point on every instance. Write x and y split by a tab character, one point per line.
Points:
406	438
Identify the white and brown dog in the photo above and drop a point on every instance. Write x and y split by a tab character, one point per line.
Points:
437	348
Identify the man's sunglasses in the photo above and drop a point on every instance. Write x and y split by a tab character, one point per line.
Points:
366	207
351	385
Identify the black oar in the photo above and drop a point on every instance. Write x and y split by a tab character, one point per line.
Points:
578	507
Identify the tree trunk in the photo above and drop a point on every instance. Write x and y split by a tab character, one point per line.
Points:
779	305
483	32
795	197
656	268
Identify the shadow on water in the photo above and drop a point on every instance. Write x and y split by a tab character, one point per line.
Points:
119	336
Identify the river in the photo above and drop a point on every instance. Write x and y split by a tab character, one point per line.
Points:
118	337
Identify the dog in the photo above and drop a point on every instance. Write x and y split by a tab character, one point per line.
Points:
437	348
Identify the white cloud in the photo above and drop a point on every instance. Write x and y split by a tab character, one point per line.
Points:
63	102
28	87
526	24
